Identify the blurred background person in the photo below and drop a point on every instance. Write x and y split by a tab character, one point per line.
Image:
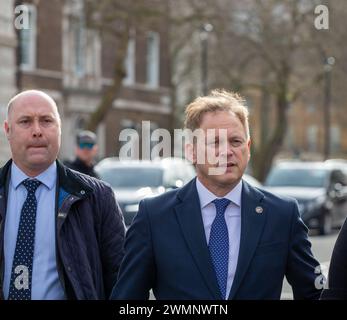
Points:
86	152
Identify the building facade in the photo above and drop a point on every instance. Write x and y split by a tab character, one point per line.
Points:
8	67
60	55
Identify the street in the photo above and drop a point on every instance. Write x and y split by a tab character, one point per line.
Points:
322	247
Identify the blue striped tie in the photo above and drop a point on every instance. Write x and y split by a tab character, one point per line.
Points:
22	267
219	245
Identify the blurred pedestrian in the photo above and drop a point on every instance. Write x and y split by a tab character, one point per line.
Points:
337	279
85	151
61	232
217	237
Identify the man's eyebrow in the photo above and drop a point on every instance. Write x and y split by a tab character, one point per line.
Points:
24	116
46	116
27	116
33	116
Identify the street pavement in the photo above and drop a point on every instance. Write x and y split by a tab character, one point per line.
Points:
322	247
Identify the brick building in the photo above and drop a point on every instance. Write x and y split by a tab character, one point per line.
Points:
60	55
7	68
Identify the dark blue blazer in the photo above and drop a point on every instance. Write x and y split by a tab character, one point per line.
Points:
166	250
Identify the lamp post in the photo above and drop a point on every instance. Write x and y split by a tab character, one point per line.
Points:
328	66
204	31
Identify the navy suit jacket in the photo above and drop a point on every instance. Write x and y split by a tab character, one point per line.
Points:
166	250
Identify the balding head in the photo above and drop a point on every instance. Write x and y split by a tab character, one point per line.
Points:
29	94
33	130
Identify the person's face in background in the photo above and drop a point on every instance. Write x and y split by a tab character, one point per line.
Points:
87	152
34	132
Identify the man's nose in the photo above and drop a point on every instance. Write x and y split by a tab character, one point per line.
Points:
230	149
37	132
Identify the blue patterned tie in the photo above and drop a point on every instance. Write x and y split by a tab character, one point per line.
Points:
22	267
219	245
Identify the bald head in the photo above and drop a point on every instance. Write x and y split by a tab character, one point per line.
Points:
33	130
29	95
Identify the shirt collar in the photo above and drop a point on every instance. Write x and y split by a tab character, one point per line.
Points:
47	177
206	196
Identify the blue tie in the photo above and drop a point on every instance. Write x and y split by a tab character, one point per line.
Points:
219	245
22	267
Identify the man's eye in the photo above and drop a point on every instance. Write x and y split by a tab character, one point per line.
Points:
236	143
46	121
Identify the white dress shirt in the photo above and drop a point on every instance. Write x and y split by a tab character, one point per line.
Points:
232	218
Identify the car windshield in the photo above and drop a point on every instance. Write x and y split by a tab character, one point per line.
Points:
132	177
297	177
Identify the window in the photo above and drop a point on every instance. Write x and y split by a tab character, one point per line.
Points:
312	132
80	123
311	108
79	49
290	138
335	135
153	58
27	40
130	63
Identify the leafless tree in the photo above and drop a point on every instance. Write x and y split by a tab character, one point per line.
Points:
116	20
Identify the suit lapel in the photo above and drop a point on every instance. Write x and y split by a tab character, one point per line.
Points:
252	224
188	213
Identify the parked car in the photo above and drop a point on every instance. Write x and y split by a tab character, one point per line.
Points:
319	187
133	181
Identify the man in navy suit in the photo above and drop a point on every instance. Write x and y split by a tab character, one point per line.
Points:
217	237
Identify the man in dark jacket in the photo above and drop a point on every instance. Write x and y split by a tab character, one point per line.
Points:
62	232
86	151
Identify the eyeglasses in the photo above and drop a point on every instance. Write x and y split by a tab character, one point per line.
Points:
86	145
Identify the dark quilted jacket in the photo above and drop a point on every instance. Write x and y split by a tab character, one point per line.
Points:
89	233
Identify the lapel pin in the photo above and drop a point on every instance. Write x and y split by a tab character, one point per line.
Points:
259	210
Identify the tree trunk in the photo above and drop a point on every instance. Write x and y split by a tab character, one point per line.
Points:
263	155
110	93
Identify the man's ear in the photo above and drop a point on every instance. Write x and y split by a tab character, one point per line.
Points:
249	149
190	153
7	129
